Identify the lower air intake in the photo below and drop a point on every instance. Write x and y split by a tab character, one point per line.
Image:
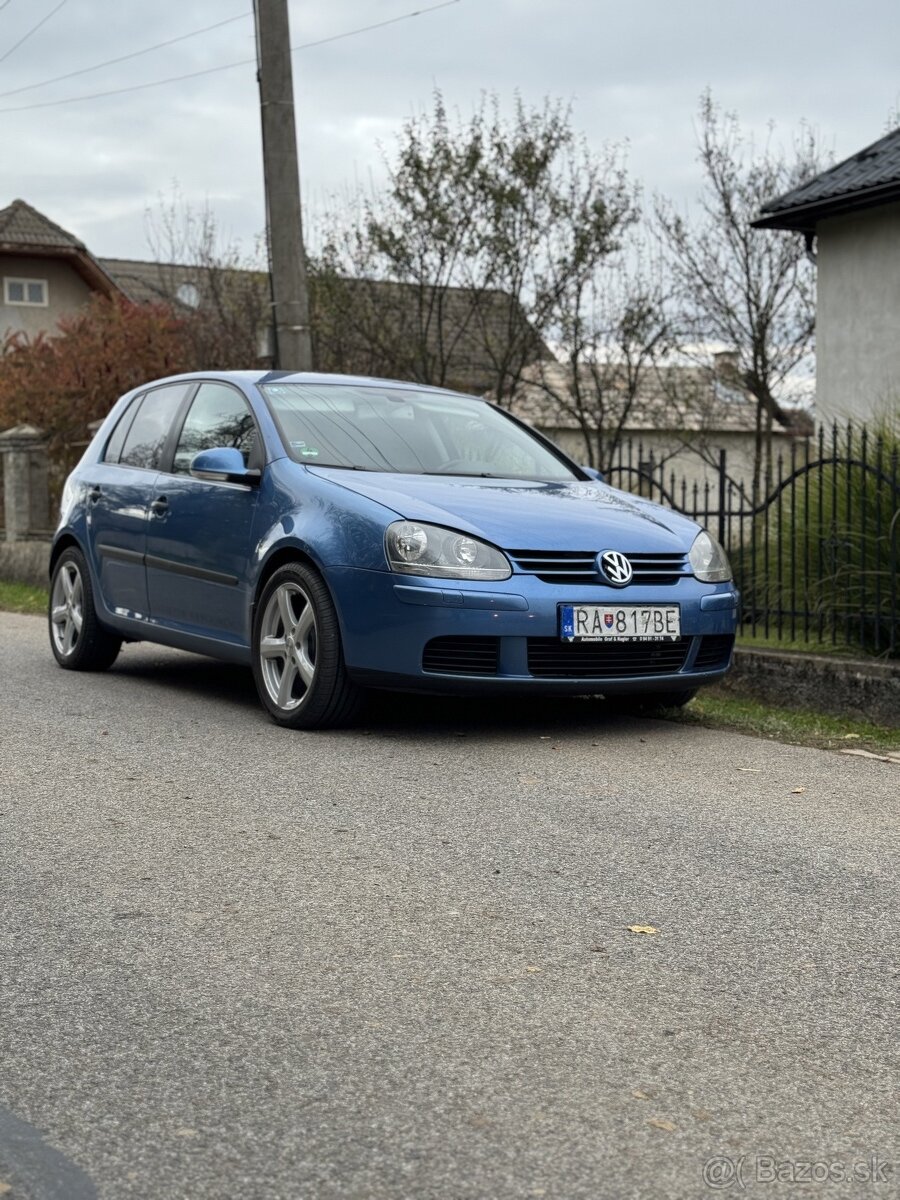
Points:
462	656
605	660
714	652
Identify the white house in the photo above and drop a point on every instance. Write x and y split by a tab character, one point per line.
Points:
850	217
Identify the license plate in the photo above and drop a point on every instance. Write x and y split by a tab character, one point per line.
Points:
619	622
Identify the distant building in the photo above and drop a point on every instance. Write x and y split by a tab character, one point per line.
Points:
850	215
45	272
680	419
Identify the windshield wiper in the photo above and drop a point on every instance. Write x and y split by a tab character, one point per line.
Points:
308	462
463	474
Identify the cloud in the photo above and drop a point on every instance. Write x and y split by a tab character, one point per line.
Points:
633	73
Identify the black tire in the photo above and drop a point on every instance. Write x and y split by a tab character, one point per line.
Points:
90	647
653	702
298	659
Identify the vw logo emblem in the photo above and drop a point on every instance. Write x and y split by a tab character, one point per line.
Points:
614	567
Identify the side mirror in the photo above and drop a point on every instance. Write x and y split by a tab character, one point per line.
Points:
224	464
593	473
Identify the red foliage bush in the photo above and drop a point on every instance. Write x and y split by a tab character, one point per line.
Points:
63	381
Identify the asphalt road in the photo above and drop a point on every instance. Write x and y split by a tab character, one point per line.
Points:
395	962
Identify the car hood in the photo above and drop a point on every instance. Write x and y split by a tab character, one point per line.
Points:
520	514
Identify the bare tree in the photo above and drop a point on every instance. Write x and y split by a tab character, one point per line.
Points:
614	331
751	290
221	291
458	266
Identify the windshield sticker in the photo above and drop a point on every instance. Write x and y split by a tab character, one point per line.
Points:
306	451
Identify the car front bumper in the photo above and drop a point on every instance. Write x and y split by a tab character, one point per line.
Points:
442	636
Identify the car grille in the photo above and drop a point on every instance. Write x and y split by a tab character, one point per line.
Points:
462	655
715	651
605	660
580	566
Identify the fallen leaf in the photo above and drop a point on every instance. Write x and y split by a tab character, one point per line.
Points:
642	929
5	1188
854	736
533	969
639	1095
480	1121
662	1123
797	791
185	1133
702	1115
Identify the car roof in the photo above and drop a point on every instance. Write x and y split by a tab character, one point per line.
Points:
317	377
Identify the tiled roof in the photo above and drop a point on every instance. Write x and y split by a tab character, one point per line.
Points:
685	398
22	225
159	283
867	178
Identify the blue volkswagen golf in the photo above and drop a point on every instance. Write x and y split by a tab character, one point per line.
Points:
338	534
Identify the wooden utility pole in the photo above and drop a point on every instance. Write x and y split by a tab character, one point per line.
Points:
284	224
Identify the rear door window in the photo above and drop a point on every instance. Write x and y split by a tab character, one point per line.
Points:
147	436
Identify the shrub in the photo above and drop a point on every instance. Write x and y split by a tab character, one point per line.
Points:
822	563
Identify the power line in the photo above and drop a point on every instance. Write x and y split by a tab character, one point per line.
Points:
139	87
30	87
5	4
33	29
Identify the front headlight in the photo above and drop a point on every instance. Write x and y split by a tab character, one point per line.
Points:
708	560
413	548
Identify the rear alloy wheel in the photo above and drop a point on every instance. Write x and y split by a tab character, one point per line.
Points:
298	661
78	640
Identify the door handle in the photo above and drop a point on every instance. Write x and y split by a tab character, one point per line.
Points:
159	507
94	494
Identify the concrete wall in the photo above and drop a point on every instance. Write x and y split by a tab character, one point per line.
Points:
26	562
66	291
866	690
858	315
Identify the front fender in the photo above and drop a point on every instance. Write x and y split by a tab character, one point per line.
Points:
330	525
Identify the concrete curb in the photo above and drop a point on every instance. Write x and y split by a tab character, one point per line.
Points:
866	690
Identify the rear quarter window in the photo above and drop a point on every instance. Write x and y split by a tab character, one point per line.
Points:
117	441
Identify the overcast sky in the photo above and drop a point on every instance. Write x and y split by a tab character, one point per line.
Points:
633	71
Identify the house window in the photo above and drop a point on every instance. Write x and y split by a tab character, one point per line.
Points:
30	292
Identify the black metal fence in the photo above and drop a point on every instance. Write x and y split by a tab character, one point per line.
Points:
815	547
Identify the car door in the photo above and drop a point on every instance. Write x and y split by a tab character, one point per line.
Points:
199	534
119	493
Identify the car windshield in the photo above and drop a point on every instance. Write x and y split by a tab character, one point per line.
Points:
402	430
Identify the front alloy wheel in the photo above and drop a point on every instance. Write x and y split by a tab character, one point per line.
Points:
298	661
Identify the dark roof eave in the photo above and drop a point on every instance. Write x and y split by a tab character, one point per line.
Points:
805	217
83	262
